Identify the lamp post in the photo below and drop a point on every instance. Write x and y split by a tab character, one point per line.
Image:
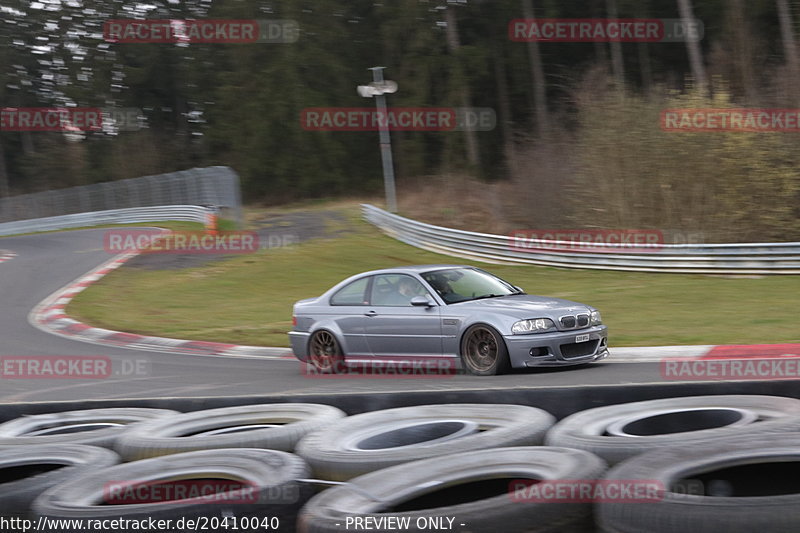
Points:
378	88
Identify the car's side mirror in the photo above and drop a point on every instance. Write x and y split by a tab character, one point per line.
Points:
421	301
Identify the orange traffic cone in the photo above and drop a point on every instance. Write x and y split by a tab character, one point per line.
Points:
211	222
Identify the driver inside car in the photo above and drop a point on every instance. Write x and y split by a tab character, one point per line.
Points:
441	286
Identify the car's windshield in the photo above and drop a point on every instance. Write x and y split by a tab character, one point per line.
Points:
463	284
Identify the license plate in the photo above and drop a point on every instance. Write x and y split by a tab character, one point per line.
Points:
582	338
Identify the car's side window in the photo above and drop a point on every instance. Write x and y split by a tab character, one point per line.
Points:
396	290
354	293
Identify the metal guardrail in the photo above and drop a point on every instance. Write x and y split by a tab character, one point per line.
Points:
131	215
743	259
217	186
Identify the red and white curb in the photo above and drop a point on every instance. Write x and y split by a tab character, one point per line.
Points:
5	255
708	351
49	316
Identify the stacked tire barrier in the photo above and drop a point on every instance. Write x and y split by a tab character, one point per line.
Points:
715	463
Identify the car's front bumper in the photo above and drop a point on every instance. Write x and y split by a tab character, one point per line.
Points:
558	348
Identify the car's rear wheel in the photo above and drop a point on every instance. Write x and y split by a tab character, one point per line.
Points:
484	352
325	353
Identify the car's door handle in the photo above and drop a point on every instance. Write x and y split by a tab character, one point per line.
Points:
371	313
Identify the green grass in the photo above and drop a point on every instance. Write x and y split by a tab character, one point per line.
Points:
248	299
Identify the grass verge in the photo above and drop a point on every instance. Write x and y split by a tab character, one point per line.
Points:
248	299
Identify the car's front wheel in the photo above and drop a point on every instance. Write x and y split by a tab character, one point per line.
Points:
484	352
325	353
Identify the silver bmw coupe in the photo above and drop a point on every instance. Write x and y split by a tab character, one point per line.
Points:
459	314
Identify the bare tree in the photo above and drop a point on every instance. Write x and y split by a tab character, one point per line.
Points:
539	85
617	64
504	108
453	45
645	69
693	46
787	36
599	47
3	173
742	48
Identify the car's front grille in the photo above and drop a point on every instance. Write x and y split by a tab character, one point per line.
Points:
574	321
578	349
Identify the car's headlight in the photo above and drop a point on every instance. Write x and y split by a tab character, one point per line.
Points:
534	325
596	320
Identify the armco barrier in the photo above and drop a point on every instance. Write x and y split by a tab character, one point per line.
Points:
132	215
752	258
218	186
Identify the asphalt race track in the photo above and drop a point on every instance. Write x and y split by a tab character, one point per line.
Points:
47	262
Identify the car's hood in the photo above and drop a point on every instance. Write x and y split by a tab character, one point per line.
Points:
525	304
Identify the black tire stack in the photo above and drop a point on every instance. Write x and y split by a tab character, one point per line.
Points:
724	463
61	466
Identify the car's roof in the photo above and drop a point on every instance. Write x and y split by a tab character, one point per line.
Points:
414	268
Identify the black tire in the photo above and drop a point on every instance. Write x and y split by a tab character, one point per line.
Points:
473	488
325	353
27	471
686	421
184	432
759	491
484	352
272	476
339	452
95	427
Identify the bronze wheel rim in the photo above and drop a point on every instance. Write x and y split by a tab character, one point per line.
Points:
324	350
481	349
